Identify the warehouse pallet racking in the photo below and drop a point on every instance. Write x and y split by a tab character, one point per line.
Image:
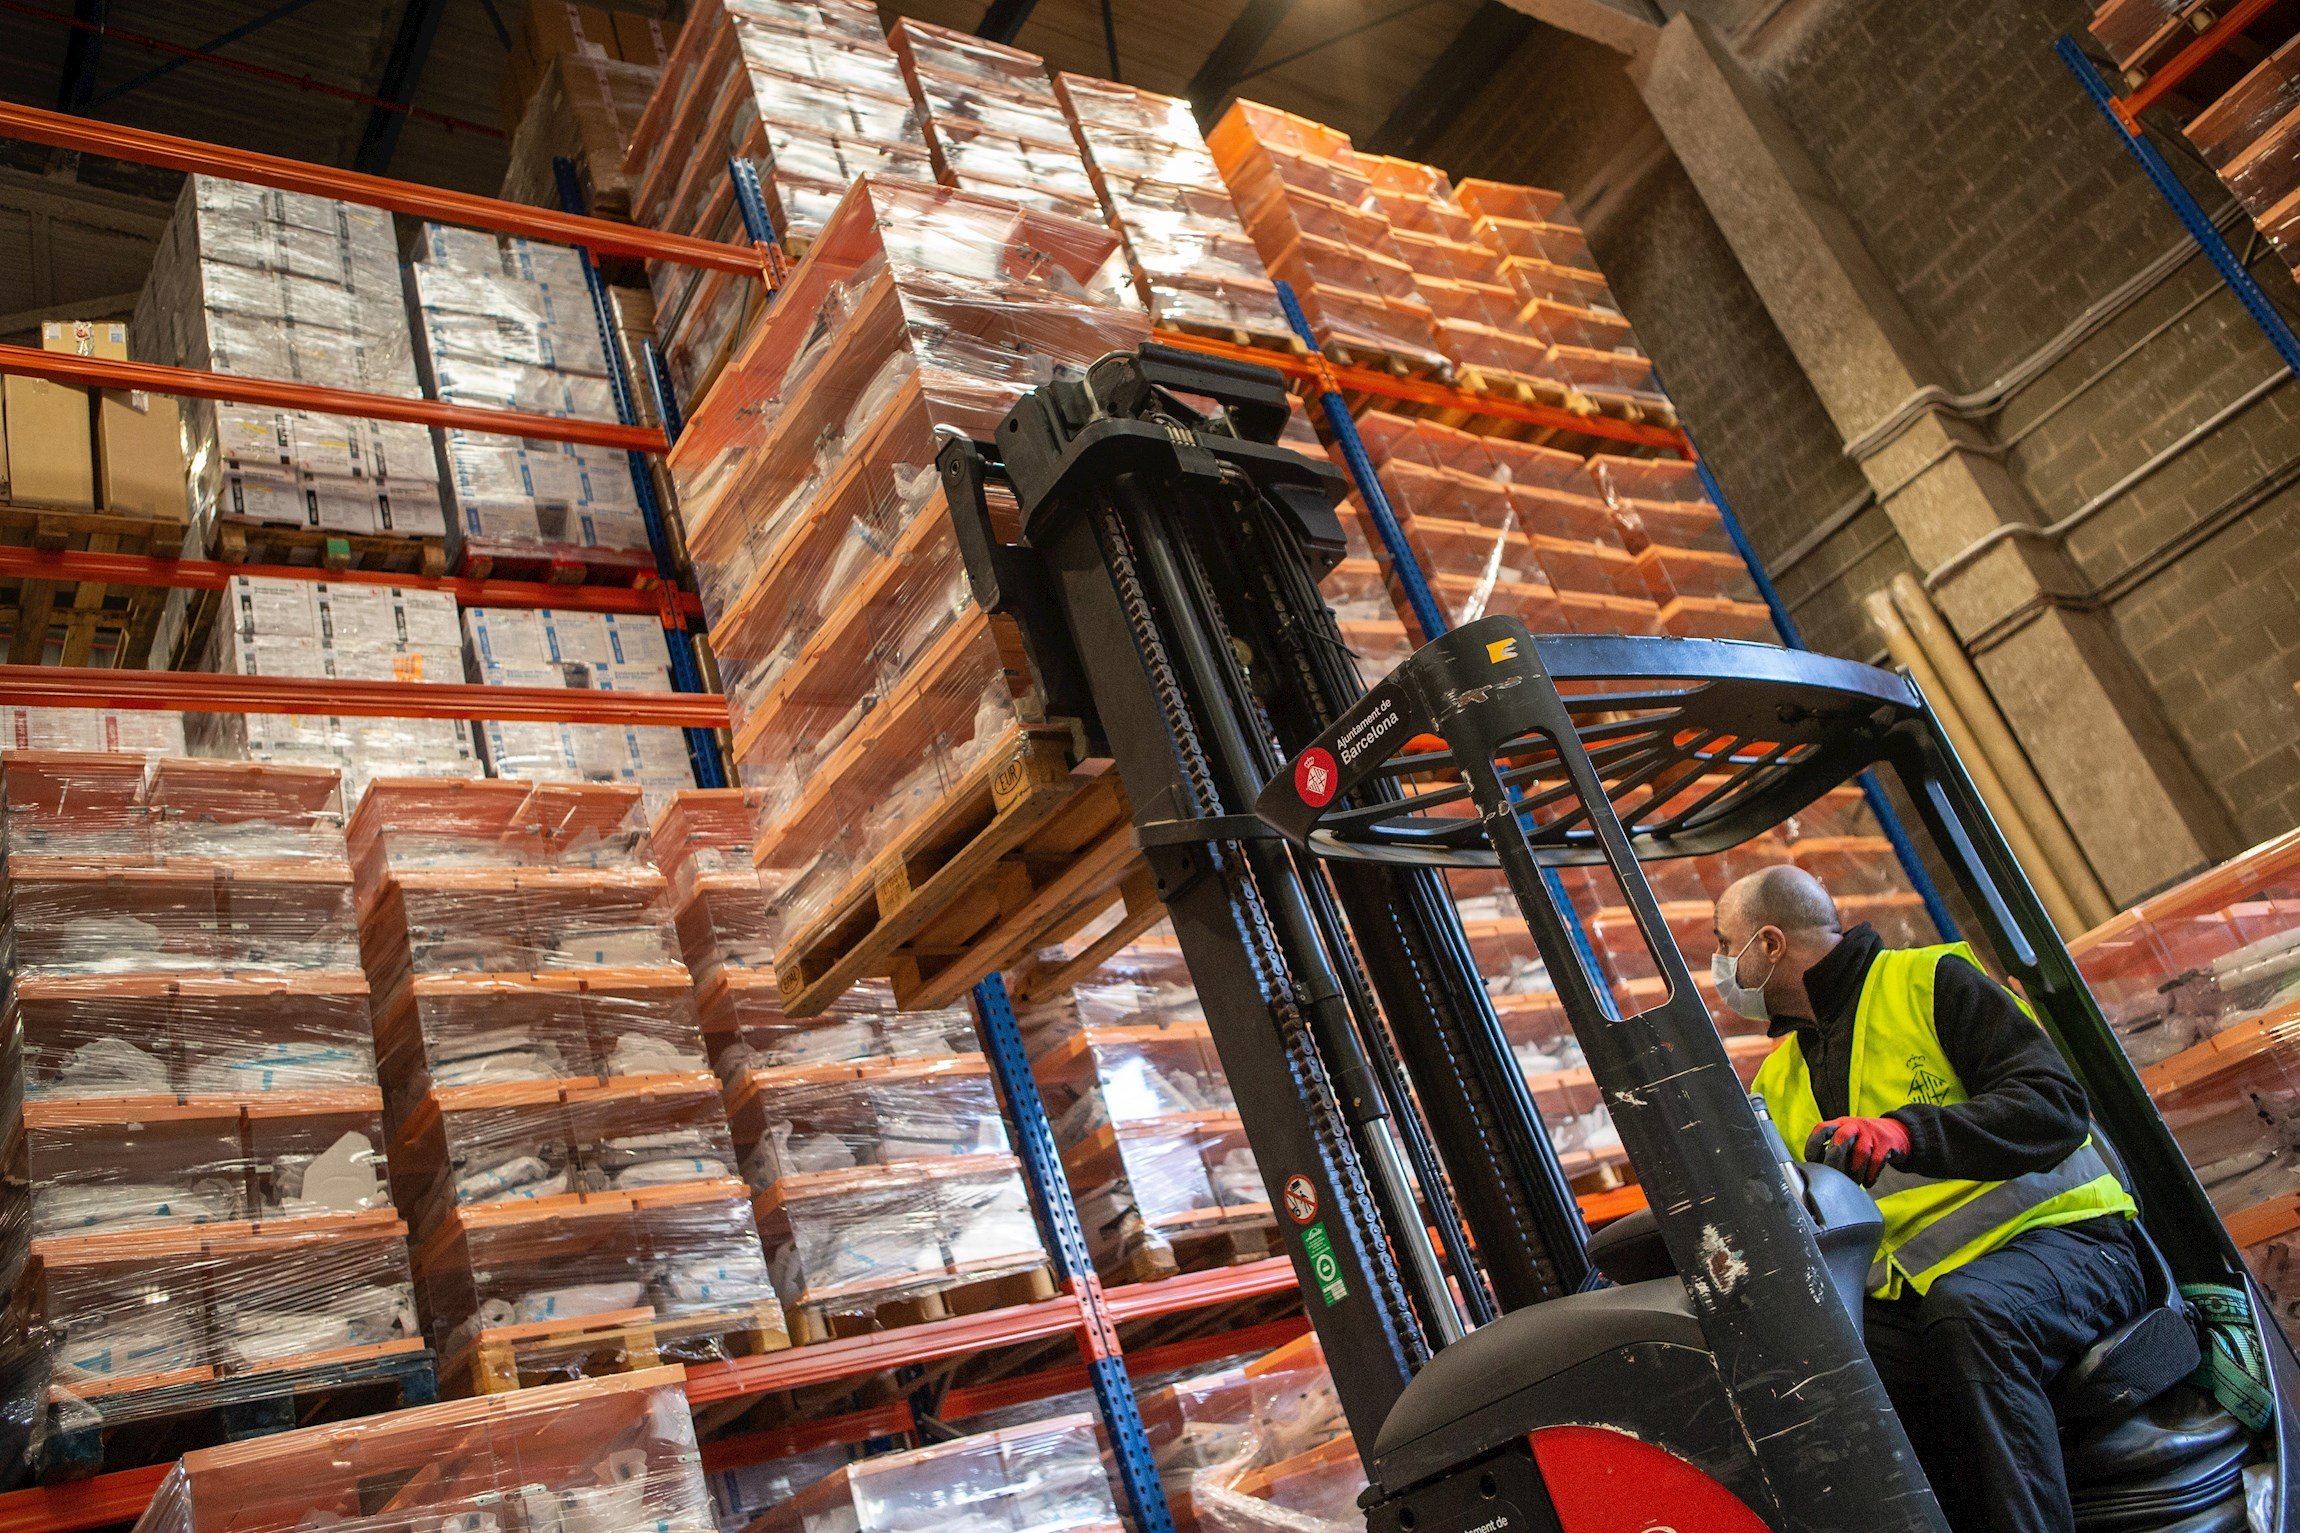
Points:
1082	1312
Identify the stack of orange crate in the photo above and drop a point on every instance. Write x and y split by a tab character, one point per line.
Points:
993	122
1307	204
804	91
559	1142
871	1137
1562	299
1194	264
195	1223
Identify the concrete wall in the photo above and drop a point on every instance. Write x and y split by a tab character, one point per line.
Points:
1998	207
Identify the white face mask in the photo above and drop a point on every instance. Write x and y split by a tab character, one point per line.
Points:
1744	1000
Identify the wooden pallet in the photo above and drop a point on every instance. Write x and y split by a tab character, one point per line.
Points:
245	542
129	1428
562	564
864	1314
1021	850
1275	337
89	609
1379	359
511	1357
1174	1252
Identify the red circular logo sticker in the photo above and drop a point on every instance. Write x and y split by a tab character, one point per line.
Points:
1316	777
1301	1199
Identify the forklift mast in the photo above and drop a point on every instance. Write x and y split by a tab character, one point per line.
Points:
1162	557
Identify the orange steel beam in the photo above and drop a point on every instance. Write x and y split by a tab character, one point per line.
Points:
2185	63
208	575
94	1503
743	1448
1317	371
62	130
56	686
191	383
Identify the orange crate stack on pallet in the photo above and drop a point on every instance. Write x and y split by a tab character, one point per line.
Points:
993	122
197	1229
561	1147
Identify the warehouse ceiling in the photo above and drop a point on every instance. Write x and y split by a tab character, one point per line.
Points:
75	238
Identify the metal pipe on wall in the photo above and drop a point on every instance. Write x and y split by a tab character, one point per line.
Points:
1906	652
1962	685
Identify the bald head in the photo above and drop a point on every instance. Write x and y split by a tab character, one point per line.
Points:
1777	923
1784	895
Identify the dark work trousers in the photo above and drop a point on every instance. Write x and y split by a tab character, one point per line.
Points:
1969	1366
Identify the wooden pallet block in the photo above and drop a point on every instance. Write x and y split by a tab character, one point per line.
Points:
244	542
862	1315
89	608
1176	1251
1278	338
506	1358
993	852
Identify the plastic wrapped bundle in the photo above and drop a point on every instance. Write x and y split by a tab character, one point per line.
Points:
1194	264
562	1145
1685	555
1148	1129
596	1456
992	120
272	284
1045	1477
1261	1446
2251	135
2136	32
508	324
807	1119
672	1272
274	627
1306	201
867	690
583	652
702	842
809	95
862	1026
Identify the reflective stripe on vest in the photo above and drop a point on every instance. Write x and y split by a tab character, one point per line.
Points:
1932	1224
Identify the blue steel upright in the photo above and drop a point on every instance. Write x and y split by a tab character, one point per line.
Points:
686	676
1427	613
1050	1195
2184	206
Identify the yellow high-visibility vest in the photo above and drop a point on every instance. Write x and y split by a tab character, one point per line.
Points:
1933	1225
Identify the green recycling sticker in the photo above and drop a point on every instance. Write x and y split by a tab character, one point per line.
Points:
1324	1266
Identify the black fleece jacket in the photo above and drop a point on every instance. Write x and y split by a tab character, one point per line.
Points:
2024	1111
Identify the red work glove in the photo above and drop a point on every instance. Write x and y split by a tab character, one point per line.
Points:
1859	1147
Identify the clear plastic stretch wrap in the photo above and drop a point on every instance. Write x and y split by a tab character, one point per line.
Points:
272	284
862	681
1147	1126
1194	264
861	1027
1259	1448
275	627
805	92
2202	985
508	324
92	729
2131	30
702	842
195	1211
2251	135
992	120
1045	1477
562	1148
1684	554
606	1455
1309	208
583	652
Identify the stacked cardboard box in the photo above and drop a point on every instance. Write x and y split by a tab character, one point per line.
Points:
195	1214
92	729
586	1457
273	627
584	111
271	284
509	325
2202	985
1038	1478
562	1150
1149	1132
584	652
992	120
808	94
552	32
1311	212
123	452
864	685
1194	264
2251	136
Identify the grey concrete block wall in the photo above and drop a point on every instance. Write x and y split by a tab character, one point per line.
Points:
1999	206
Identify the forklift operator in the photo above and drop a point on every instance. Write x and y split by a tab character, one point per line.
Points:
2005	1252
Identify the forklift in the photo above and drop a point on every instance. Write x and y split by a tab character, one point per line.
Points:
1696	1366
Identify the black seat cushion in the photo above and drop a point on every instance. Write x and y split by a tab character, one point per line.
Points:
2129	1367
1630	1249
2180	1491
